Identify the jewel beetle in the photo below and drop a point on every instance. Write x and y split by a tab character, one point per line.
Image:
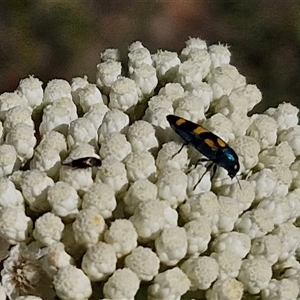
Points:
216	151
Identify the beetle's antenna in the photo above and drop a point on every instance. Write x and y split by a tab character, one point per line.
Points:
238	182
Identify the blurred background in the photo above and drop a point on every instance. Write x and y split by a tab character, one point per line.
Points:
63	39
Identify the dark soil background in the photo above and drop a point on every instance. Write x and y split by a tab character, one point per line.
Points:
63	39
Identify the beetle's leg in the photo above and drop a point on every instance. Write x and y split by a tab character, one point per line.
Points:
214	170
184	144
197	163
208	168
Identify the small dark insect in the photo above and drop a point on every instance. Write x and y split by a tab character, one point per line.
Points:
84	162
216	150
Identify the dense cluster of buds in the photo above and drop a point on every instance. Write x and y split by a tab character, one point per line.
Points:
134	225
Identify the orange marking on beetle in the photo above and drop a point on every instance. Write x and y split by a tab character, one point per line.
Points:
199	130
221	143
210	143
180	121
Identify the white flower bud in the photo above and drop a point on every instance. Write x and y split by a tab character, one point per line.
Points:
9	195
107	73
219	54
141	190
123	94
171	245
141	136
171	285
77	84
158	118
190	107
122	236
99	261
72	283
289	236
113	173
166	156
280	289
194	43
96	114
15	226
292	136
48	229
63	200
198	235
35	185
240	100
101	197
264	183
281	154
22	138
151	217
143	262
174	91
17	115
166	64
10	100
204	92
247	148
82	130
221	126
285	115
228	289
202	271
229	263
235	242
267	247
189	74
224	79
55	118
204	204
88	96
199	56
171	186
55	90
228	213
8	160
137	56
264	129
46	159
114	121
255	223
31	89
145	79
255	274
140	165
123	284
240	123
88	227
55	258
115	147
79	179
244	195
110	54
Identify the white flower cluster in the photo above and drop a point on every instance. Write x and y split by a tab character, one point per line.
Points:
137	226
